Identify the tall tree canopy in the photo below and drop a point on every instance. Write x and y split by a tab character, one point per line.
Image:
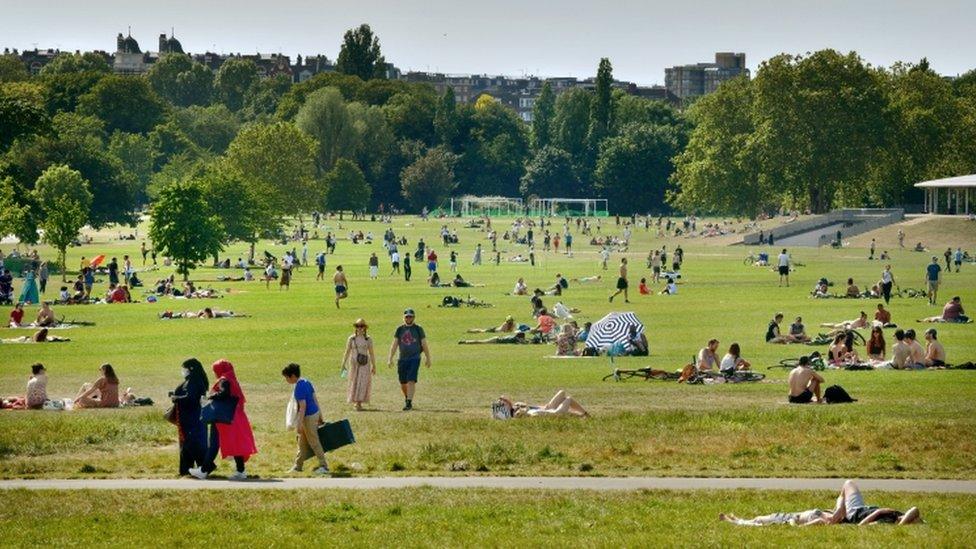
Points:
234	79
430	179
180	80
64	198
360	54
125	104
543	112
183	227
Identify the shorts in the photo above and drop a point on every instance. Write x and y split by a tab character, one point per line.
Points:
656	270
321	269
784	270
340	289
373	270
806	397
431	266
408	368
938	364
621	283
933	285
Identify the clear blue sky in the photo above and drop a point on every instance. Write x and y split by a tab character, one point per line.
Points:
544	37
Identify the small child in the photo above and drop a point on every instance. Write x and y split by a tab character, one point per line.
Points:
643	287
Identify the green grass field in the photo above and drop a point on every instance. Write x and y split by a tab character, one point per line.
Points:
906	424
425	517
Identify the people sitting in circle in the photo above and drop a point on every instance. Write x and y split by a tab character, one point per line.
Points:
102	393
876	346
804	383
951	312
205	313
505	327
798	331
561	404
733	362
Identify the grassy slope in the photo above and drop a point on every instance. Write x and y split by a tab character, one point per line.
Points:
936	234
460	518
911	424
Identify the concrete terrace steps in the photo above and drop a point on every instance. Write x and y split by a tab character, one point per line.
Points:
821	230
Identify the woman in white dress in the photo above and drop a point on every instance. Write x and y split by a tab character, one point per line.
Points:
360	362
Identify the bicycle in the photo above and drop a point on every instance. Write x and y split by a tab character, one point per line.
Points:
647	374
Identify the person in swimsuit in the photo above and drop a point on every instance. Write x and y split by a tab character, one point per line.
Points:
341	285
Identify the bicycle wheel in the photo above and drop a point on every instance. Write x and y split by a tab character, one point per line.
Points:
788	363
749	377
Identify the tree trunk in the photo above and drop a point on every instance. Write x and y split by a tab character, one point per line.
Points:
62	260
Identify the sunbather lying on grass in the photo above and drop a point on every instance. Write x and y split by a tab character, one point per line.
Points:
505	327
860	322
561	404
40	337
517	338
206	312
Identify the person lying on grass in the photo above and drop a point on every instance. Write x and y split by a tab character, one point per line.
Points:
518	338
859	322
205	313
561	404
460	282
41	336
812	517
855	511
952	312
506	327
804	383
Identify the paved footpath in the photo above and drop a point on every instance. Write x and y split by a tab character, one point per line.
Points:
508	483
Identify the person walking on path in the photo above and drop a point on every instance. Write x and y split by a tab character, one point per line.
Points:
29	294
360	361
784	267
341	285
320	263
43	273
190	429
234	439
407	271
411	341
887	280
622	282
308	420
477	255
395	262
933	275
374	266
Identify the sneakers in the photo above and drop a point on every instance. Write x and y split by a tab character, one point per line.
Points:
294	470
198	473
407	405
323	470
238	475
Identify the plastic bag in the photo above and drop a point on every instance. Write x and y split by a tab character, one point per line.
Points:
291	414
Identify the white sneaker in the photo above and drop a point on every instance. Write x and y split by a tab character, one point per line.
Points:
294	470
239	475
198	473
321	471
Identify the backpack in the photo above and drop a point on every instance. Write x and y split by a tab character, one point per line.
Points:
835	394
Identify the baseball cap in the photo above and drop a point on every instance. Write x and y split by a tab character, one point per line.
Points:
408	312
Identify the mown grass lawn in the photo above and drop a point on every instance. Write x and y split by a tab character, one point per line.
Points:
905	424
425	517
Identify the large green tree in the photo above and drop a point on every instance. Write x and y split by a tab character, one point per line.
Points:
13	214
543	112
570	127
241	211
20	116
325	117
71	63
64	199
446	119
549	173
360	54
235	77
183	227
601	109
137	155
633	168
64	90
345	187
12	69
124	103
262	99
211	128
180	80
429	180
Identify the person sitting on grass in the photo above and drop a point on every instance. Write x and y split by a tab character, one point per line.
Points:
707	357
585	332
45	317
545	324
852	289
773	334
952	312
536	300
642	288
733	362
517	338
566	341
102	393
506	327
16	316
638	342
520	287
670	288
860	322
935	355
876	344
917	358
857	512
798	331
883	316
804	383
901	352
561	404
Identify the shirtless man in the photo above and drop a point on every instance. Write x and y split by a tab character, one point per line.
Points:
341	285
707	357
622	282
917	358
901	351
804	383
935	354
45	317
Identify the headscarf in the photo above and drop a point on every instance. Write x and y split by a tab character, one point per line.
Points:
225	370
196	376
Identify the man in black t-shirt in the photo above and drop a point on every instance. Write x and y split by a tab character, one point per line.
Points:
410	340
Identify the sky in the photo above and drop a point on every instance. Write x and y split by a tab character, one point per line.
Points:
510	37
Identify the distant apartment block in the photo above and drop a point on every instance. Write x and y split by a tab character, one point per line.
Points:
688	81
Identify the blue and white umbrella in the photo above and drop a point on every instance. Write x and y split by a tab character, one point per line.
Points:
613	328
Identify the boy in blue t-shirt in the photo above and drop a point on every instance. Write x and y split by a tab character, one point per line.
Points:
309	419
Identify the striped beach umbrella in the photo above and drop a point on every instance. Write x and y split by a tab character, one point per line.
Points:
613	328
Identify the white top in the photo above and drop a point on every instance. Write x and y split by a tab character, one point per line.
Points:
784	260
395	257
886	276
288	261
605	254
728	363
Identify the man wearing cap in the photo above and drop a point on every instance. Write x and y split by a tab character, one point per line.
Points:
411	340
932	274
804	383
